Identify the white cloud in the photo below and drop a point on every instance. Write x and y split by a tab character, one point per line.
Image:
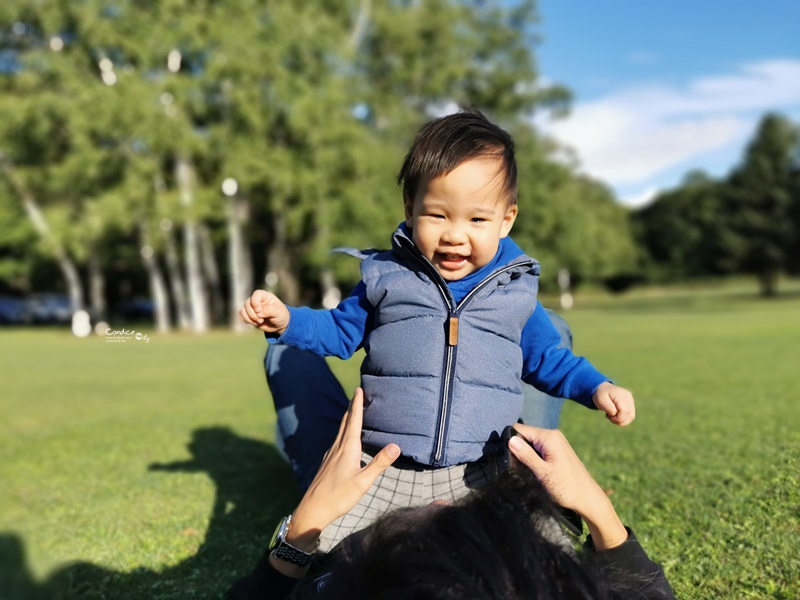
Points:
640	198
633	135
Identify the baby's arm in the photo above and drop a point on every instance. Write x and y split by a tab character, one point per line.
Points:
558	372
337	332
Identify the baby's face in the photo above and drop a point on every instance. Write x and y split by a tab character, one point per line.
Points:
458	219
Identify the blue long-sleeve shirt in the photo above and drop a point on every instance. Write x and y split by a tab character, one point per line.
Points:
556	371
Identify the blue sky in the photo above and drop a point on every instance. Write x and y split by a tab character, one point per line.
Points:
665	86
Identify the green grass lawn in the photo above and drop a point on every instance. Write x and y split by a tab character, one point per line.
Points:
133	470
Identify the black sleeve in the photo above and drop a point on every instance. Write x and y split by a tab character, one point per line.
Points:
263	583
632	572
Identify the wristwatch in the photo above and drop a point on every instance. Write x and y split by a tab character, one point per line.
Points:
280	548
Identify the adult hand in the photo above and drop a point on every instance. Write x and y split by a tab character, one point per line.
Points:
265	311
341	480
563	475
616	402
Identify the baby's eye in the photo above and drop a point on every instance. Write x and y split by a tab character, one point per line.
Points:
435	216
478	220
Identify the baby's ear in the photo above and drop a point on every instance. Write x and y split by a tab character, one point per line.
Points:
409	209
508	220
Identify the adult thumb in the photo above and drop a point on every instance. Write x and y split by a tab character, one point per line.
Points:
382	461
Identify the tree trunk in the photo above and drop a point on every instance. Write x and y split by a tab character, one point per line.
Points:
279	263
212	274
158	288
176	281
241	268
198	301
769	283
360	25
65	263
97	288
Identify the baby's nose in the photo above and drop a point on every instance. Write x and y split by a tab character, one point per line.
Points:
453	235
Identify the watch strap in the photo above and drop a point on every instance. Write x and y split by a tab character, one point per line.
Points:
280	548
285	551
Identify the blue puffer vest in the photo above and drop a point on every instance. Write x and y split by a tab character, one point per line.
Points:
456	384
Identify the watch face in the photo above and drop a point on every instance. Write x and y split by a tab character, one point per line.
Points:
280	533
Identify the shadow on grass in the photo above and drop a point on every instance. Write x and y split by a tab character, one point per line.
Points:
246	507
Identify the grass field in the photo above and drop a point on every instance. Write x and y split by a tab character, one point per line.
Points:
147	470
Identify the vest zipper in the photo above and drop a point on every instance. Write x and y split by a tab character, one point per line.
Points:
454	312
450	352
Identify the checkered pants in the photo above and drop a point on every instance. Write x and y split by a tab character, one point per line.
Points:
403	486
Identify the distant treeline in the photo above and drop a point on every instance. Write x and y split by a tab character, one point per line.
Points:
747	222
187	152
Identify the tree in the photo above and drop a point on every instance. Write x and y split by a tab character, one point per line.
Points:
81	115
683	230
47	159
748	222
122	120
17	245
759	202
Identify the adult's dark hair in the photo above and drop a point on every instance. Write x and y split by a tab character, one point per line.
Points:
498	543
443	144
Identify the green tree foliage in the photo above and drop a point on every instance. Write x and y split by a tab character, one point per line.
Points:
121	118
748	222
64	134
759	202
684	228
17	245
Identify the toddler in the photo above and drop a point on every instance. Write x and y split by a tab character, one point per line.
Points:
448	317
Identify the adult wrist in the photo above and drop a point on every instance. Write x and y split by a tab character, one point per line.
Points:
303	539
306	528
604	525
598	513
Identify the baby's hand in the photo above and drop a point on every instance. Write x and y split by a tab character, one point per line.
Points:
266	312
616	402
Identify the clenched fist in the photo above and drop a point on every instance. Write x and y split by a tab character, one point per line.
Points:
265	311
616	402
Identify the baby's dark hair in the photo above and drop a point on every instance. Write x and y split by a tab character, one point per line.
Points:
492	545
443	144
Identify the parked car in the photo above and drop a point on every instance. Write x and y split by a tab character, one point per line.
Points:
50	308
14	311
136	309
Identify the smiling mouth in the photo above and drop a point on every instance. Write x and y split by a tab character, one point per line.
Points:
452	259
